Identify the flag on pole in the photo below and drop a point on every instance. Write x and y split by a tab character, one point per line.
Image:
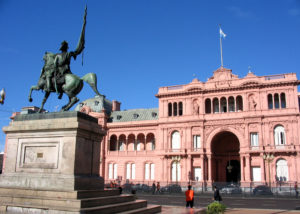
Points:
222	34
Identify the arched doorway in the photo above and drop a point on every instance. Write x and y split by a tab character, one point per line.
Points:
225	149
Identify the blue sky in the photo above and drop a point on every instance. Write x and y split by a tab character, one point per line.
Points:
137	46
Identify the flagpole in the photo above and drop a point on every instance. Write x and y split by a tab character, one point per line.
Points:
221	51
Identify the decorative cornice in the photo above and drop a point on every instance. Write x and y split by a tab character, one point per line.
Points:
226	89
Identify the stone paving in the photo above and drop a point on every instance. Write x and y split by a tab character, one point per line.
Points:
183	210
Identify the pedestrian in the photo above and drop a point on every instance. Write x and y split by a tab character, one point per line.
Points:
153	188
217	197
189	197
120	190
158	188
296	189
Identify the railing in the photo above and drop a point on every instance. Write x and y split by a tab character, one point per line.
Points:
175	87
245	189
274	77
175	151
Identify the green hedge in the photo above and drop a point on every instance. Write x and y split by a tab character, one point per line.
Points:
215	208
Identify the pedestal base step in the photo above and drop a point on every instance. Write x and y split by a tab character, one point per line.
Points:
76	202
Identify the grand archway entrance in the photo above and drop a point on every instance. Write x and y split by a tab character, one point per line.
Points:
225	149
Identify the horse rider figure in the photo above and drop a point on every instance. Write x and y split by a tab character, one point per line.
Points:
61	65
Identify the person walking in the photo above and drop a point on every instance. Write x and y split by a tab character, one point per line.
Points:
153	188
189	197
217	197
296	189
158	188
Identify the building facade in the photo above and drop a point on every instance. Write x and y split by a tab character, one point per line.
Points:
227	129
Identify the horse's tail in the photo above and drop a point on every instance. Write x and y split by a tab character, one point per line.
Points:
91	79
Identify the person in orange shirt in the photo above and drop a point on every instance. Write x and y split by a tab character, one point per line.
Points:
189	195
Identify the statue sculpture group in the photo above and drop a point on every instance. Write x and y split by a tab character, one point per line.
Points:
56	75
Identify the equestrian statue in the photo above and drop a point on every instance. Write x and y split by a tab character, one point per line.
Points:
56	75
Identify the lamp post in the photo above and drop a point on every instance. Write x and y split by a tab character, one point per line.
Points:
229	167
268	157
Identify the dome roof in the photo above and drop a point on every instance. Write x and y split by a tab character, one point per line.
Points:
96	104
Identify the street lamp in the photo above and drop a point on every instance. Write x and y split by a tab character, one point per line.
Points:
2	95
229	167
268	157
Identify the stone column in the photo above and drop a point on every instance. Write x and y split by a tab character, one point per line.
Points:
209	172
162	168
247	169
242	168
189	170
126	144
262	167
203	169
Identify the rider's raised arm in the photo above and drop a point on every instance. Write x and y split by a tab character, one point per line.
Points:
80	45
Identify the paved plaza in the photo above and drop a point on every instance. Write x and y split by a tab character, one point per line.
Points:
183	210
175	204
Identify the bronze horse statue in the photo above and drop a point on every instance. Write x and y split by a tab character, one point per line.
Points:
56	75
71	85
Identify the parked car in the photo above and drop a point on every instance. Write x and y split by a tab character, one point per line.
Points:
231	189
262	190
172	188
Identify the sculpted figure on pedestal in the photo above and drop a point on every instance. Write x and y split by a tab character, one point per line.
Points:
56	75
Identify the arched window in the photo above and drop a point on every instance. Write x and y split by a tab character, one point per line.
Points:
131	143
113	143
276	101
174	109
149	171
282	171
231	104
207	106
138	145
279	135
130	171
175	171
282	100
122	144
270	101
175	140
223	104
180	108
112	171
216	105
239	103
150	142
170	109
153	144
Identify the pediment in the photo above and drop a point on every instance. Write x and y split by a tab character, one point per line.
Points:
222	74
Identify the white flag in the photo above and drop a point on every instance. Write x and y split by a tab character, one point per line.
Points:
222	34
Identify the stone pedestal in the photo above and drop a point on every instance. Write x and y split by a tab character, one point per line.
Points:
52	166
55	151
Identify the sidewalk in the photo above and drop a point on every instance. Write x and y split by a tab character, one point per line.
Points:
183	210
259	211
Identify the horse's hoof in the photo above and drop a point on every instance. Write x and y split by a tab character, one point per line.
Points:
30	99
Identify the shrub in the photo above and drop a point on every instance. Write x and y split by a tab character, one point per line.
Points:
215	208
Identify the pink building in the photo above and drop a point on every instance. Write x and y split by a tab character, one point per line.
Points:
228	129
